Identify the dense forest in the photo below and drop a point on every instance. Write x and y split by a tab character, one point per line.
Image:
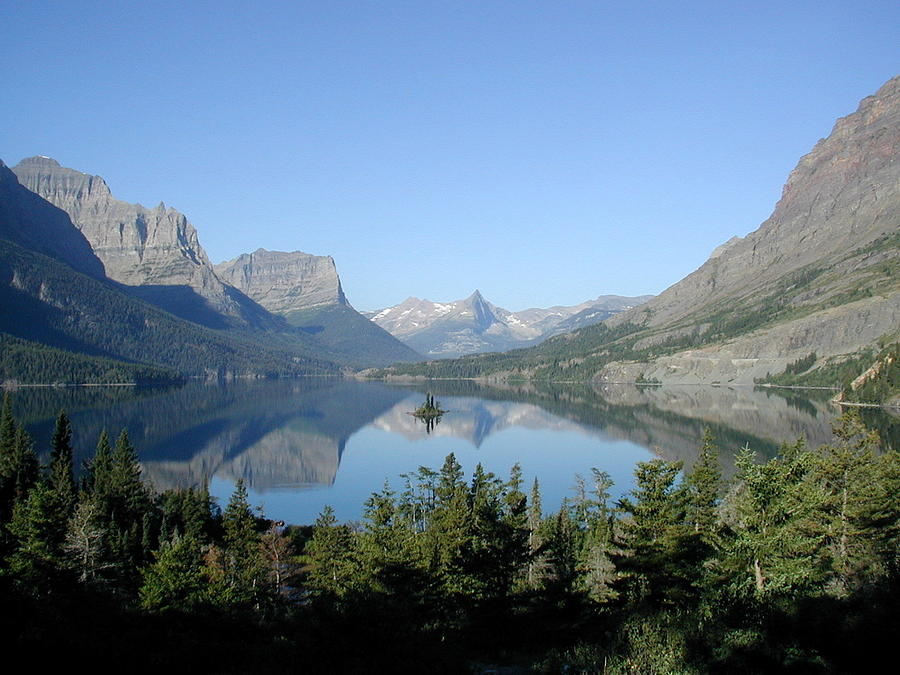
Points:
53	307
791	566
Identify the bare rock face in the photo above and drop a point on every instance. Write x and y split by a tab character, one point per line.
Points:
843	195
284	282
32	222
820	275
137	246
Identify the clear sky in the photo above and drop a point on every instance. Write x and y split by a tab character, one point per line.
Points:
543	152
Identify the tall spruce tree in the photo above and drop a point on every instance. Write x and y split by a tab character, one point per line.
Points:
652	534
61	479
703	485
332	557
245	568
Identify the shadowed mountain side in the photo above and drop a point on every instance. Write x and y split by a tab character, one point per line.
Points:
347	333
56	305
137	245
34	223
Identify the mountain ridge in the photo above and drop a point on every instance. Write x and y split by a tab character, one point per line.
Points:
155	255
820	276
473	324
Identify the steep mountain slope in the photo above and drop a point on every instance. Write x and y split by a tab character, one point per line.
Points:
155	255
155	249
472	325
306	290
284	282
820	276
30	221
54	296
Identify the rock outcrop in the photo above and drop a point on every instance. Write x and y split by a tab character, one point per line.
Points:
138	246
284	282
30	221
820	275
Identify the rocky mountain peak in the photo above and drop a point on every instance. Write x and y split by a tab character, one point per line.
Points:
39	161
449	329
283	281
137	246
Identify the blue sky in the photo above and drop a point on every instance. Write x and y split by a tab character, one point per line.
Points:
543	152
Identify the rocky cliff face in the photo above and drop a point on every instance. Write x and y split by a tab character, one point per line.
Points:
284	282
841	196
473	325
137	246
820	275
32	222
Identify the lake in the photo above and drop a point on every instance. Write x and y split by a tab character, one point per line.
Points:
302	444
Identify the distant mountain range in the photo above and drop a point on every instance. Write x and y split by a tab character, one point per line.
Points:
472	325
815	287
96	289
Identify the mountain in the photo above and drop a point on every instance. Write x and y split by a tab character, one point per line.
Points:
817	283
65	321
284	282
155	254
30	221
472	325
156	250
306	290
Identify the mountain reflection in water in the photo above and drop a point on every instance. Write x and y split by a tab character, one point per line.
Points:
299	444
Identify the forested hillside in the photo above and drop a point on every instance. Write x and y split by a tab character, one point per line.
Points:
45	301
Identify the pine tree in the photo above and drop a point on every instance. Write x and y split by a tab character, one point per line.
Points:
561	546
244	565
703	485
846	477
61	479
536	563
652	534
596	570
176	579
772	550
331	553
37	558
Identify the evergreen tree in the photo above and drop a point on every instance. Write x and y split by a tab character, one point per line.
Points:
845	476
654	568
244	565
561	548
176	580
449	536
331	553
703	485
596	570
536	562
772	552
38	557
61	480
98	474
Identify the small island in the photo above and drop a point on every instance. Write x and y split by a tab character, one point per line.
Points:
429	412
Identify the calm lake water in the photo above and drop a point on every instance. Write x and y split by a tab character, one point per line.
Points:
302	444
